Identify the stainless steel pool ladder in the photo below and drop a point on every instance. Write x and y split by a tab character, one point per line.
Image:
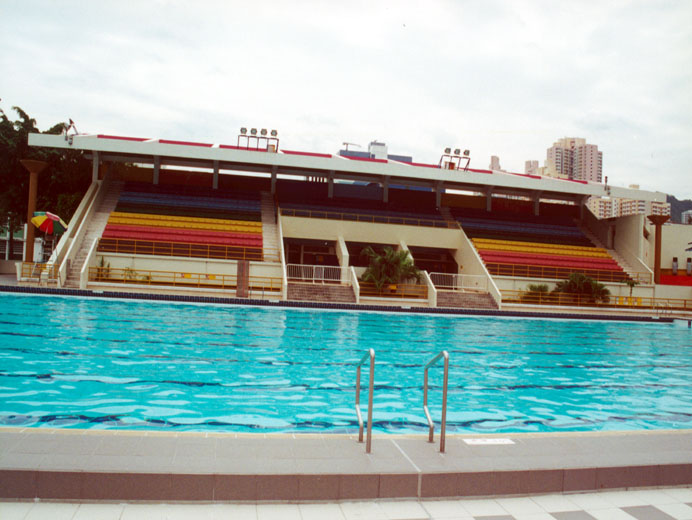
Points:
431	425
369	354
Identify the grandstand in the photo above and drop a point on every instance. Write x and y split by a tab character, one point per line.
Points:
209	218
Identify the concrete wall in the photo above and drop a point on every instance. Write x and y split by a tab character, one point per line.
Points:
676	238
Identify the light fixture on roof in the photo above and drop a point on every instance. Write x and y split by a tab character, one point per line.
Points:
274	133
253	131
243	130
263	131
448	150
467	153
258	140
457	151
67	128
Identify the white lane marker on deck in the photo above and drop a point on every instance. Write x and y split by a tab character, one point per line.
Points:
406	456
488	442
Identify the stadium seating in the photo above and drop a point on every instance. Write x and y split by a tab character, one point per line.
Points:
189	221
536	247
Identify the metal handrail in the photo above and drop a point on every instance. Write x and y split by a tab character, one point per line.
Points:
443	424
366	217
369	354
552	272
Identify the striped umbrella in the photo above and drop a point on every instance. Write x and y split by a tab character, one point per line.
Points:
48	223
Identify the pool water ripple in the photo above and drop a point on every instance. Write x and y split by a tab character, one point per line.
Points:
87	363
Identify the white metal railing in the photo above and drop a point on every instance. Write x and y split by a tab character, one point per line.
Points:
84	273
316	273
443	422
460	282
370	354
432	291
282	259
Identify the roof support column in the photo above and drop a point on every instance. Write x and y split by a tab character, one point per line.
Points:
330	184
215	180
273	188
658	221
582	206
157	168
537	202
96	161
385	188
489	199
439	188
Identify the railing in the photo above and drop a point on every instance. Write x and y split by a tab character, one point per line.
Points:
374	219
355	283
639	302
443	422
460	282
399	290
369	354
39	271
316	273
188	250
555	273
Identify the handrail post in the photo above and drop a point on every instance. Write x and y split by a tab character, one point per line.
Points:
443	423
369	354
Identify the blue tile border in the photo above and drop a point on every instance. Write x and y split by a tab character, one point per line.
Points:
318	305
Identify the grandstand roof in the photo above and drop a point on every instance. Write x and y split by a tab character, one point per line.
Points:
290	162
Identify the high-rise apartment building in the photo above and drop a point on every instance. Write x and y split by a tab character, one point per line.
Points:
573	158
608	207
686	217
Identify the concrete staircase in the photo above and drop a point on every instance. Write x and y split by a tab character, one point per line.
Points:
321	293
94	230
270	231
463	300
444	211
614	254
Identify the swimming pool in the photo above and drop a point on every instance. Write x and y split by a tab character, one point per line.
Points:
88	363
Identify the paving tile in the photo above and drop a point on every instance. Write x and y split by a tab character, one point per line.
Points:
623	498
523	505
363	511
677	511
680	494
321	512
235	512
647	513
495	517
52	510
15	510
572	515
483	507
278	512
188	511
610	514
145	512
442	509
99	512
404	510
589	501
554	503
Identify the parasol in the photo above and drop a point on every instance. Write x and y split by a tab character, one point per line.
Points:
48	223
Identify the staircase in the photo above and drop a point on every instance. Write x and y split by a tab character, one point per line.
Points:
463	300
270	231
614	254
94	230
321	293
444	211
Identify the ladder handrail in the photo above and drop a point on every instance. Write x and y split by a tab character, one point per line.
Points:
431	425
369	354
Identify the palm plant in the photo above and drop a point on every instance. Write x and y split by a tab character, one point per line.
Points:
578	285
389	267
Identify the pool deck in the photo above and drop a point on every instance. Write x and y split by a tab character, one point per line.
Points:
160	466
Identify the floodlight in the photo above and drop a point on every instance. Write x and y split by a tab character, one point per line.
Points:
457	151
243	130
263	131
467	152
253	131
274	133
448	150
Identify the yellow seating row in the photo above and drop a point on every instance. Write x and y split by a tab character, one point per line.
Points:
545	249
186	219
236	225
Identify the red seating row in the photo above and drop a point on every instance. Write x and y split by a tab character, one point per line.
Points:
602	264
183	232
159	235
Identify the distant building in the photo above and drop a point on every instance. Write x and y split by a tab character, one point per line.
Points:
573	158
495	164
376	150
686	217
531	167
608	207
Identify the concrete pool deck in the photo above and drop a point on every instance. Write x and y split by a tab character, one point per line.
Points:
161	466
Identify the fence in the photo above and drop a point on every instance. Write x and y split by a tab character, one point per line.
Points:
188	250
35	270
317	273
549	298
373	219
554	273
460	282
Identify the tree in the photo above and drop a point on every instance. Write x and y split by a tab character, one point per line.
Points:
389	267
535	293
578	284
631	284
61	185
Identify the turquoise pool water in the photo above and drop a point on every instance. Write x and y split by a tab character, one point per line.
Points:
88	363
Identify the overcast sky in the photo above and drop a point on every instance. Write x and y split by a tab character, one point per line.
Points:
504	78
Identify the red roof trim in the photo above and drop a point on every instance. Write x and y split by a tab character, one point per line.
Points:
185	143
423	165
480	171
122	138
309	154
366	159
232	147
577	180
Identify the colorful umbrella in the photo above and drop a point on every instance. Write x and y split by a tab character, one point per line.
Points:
48	223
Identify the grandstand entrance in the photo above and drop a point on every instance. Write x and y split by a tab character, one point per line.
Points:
310	252
355	250
434	259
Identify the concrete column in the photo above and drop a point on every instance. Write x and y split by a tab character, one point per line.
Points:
537	203
438	194
658	221
330	184
157	168
489	200
96	161
385	189
34	168
273	184
215	181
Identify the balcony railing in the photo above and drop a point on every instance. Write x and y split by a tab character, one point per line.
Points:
399	290
553	273
319	274
460	282
639	302
188	250
373	219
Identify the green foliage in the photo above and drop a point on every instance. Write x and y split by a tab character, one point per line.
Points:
535	293
580	285
60	186
389	267
631	284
